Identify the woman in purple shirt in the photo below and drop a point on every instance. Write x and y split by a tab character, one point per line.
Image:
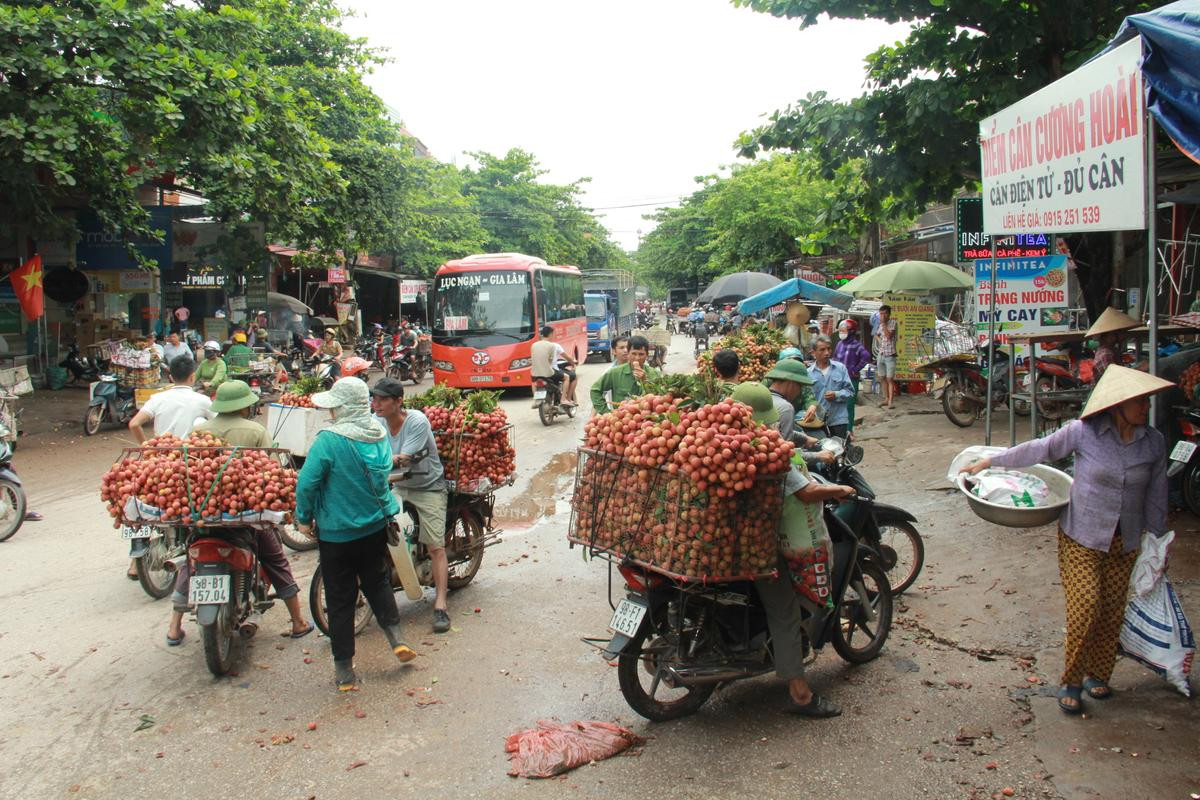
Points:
1120	490
851	352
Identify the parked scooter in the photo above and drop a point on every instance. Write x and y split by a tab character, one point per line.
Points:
81	367
676	642
962	385
1182	462
109	402
12	494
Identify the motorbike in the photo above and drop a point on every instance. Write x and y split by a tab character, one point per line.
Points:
12	493
1055	375
1181	462
547	397
81	368
888	529
676	642
468	531
405	366
109	402
962	385
700	334
152	548
228	587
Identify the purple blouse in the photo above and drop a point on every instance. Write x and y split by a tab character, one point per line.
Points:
850	351
1117	484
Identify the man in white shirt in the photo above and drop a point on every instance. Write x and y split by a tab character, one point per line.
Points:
173	348
175	410
545	356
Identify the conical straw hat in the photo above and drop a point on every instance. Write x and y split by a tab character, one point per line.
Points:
797	314
1112	320
1119	384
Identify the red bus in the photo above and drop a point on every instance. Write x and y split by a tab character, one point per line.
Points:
487	310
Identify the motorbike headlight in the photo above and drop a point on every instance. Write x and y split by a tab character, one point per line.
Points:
445	366
520	363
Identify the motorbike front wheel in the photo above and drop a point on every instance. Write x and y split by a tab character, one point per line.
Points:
320	614
218	639
956	403
903	540
295	539
93	419
864	617
12	509
642	680
155	579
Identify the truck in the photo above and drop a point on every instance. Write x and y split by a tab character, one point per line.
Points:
679	297
610	301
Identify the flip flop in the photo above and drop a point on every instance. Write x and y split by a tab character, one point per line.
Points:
299	634
132	576
33	516
1092	686
176	642
818	707
1072	693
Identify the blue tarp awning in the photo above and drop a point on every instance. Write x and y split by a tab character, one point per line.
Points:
1170	68
796	287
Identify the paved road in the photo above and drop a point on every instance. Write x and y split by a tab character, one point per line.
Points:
962	686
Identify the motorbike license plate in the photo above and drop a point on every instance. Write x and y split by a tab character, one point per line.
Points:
205	589
1183	451
136	531
539	394
627	618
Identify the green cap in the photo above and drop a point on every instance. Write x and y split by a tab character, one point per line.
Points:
789	369
758	397
233	396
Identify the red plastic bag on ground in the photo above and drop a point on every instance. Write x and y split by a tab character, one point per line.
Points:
553	748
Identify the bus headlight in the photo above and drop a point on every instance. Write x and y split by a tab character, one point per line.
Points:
603	331
444	366
521	363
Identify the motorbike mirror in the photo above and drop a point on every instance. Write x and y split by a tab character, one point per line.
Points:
854	454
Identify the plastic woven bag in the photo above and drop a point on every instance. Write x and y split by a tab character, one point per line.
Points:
553	748
1151	562
1010	487
1156	633
968	457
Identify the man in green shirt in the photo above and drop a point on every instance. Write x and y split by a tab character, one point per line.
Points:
804	399
239	355
211	372
626	380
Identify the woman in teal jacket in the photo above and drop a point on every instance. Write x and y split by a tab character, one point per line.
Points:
343	488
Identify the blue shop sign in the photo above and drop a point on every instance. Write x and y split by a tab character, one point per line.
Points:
100	248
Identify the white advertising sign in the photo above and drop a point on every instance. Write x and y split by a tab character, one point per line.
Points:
1031	296
1071	156
410	291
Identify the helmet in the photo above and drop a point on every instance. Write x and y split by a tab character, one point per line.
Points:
239	337
354	365
791	352
211	345
849	324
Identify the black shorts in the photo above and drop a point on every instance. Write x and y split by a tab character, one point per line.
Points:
564	371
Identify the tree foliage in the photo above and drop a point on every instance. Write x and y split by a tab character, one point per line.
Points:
914	131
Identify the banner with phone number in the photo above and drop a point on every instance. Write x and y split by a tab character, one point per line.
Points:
914	319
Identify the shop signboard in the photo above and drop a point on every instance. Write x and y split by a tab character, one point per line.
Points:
256	289
1071	156
196	243
1031	296
204	279
410	291
101	249
172	295
916	320
129	281
335	275
972	244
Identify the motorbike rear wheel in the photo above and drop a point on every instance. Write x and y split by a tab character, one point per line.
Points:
294	539
320	614
157	581
12	509
872	593
94	418
638	663
546	411
905	541
959	409
218	639
464	540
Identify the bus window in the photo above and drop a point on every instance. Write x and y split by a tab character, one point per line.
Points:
483	308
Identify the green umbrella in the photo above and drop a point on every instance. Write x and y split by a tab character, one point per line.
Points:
910	277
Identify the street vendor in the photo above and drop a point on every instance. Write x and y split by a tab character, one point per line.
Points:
212	370
410	435
803	507
1108	329
626	380
239	355
232	424
1120	490
788	381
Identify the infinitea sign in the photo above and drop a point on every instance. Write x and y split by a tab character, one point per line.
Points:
1070	157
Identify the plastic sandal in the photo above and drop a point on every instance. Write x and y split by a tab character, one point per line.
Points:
1072	693
1092	686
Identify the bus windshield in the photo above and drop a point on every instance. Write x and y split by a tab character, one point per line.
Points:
595	306
483	308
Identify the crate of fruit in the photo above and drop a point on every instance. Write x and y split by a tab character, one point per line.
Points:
200	481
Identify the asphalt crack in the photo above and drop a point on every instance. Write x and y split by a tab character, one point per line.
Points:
980	653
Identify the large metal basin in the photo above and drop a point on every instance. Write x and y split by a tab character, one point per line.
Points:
1059	484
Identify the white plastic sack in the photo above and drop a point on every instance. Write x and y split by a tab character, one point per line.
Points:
1151	562
968	457
1011	488
1157	634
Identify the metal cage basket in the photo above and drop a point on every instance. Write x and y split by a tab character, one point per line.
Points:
495	447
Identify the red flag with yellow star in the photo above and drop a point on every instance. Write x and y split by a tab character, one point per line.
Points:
27	283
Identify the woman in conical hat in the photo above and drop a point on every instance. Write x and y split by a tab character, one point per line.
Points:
1120	490
1108	330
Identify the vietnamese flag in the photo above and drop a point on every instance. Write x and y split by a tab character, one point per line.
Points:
27	283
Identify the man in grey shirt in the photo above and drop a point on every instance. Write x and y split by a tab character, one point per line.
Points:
414	446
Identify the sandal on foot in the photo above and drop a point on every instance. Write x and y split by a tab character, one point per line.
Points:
176	642
1070	693
343	674
291	634
1097	690
818	706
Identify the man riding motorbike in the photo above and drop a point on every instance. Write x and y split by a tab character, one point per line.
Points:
550	360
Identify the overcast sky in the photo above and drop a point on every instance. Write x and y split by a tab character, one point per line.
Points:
641	96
